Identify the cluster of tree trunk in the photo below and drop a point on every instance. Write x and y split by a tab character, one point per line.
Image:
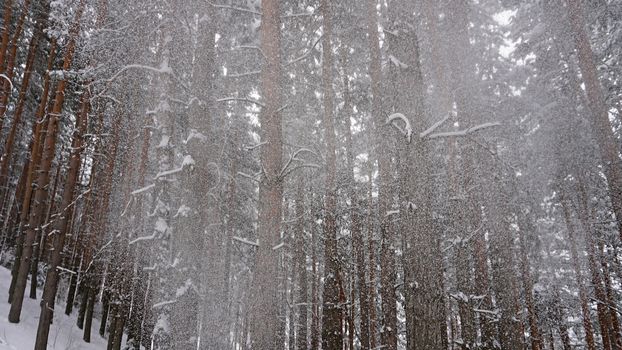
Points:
152	178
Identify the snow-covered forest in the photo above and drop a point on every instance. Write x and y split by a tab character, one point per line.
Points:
311	174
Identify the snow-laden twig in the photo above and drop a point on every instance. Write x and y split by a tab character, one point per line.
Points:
464	132
397	62
64	211
242	75
164	69
433	127
306	54
250	177
168	172
240	99
3	76
250	148
246	241
144	189
143	238
294	157
487	312
235	8
163	303
406	130
305	165
60	268
278	246
302	14
129	202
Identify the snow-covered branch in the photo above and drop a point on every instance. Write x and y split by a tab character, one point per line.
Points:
278	246
406	130
242	75
250	148
245	241
464	132
250	177
3	76
144	189
433	127
240	99
143	238
187	162
294	157
164	69
235	8
306	54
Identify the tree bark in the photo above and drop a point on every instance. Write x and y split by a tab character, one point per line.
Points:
5	87
61	226
43	178
332	333
264	322
388	275
583	296
301	258
601	126
7	152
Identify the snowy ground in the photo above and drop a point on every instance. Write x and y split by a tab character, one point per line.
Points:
63	334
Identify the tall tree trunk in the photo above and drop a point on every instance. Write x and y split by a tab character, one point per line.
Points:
611	300
604	319
5	86
7	152
265	323
372	262
388	274
6	30
355	217
601	125
315	322
99	227
534	332
301	262
40	247
61	226
332	333
43	178
583	296
424	300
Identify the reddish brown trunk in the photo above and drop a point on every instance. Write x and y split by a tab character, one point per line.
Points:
601	125
611	301
315	331
61	226
8	12
8	146
265	323
357	234
372	263
534	332
35	156
5	86
387	290
36	215
604	319
100	226
41	247
583	296
332	332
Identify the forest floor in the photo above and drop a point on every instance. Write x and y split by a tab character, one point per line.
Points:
64	334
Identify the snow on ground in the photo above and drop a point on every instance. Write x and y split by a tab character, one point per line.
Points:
64	334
